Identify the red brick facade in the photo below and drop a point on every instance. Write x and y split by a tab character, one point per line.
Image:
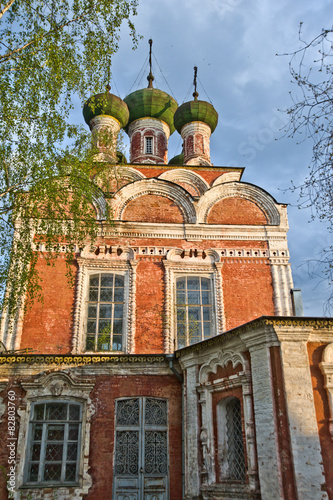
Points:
192	252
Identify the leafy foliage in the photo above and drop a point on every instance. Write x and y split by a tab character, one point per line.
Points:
312	115
50	51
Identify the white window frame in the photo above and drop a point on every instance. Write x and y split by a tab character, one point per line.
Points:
149	145
177	265
123	273
45	423
54	387
210	277
87	267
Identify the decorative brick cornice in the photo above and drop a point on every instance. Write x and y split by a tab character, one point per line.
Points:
82	360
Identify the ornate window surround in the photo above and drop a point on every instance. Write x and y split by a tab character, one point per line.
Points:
124	264
56	386
205	390
181	263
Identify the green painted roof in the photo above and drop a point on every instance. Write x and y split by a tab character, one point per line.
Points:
106	104
177	160
196	111
151	103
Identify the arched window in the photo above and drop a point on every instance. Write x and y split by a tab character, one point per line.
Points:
194	304
105	311
230	440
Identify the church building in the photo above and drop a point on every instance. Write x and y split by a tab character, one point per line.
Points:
180	365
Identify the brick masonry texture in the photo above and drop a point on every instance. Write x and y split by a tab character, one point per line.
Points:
152	208
236	211
48	323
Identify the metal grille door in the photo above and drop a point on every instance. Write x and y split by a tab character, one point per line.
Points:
141	449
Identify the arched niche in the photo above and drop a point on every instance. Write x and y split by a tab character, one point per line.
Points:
157	188
240	190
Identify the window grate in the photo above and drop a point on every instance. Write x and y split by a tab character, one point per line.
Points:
236	458
149	145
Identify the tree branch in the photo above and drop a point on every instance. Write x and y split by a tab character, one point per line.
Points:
10	54
6	7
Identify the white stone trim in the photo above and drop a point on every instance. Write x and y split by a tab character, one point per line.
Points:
126	265
107	128
303	428
275	235
227	177
142	124
64	387
190	130
222	358
326	367
182	175
282	284
232	189
118	171
179	263
205	388
155	187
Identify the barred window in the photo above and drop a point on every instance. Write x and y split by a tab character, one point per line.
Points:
54	443
231	455
105	311
149	145
236	459
194	304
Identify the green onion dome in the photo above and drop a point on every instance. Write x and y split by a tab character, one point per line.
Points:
108	105
177	160
151	103
196	111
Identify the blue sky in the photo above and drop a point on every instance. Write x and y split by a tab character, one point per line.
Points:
234	44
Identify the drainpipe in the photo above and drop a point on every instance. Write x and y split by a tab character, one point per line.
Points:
171	358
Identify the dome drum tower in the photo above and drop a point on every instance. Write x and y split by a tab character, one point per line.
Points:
105	114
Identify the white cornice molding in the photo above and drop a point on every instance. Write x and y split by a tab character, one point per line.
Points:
197	231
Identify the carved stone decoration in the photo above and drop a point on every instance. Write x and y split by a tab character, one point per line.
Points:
56	389
206	389
231	189
222	359
326	367
42	389
207	457
3	385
